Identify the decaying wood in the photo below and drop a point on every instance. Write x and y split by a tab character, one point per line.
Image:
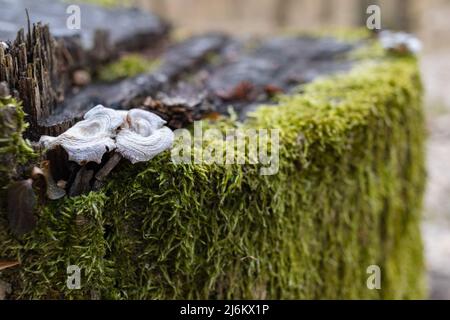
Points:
101	175
82	182
249	78
180	60
108	167
35	70
277	65
180	107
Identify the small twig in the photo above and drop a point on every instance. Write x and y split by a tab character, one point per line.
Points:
106	170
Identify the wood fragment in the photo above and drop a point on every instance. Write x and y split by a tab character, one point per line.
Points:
81	184
101	175
108	167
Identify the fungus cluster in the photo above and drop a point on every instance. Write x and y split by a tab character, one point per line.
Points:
136	135
400	42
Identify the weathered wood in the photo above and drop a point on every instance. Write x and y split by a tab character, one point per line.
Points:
181	59
36	71
108	167
277	65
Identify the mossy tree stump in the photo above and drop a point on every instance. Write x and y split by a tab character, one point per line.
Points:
348	193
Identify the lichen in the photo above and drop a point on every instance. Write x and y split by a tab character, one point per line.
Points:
348	195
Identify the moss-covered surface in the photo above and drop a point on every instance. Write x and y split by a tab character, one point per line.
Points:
348	195
127	66
14	150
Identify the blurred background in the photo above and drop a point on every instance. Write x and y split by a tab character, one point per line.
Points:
429	20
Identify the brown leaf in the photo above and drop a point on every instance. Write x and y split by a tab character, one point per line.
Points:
21	202
242	91
212	116
272	90
4	264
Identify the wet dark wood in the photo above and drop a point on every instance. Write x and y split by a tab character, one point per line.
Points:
186	87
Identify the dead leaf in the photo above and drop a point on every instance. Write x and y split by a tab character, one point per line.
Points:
4	264
242	91
212	116
21	202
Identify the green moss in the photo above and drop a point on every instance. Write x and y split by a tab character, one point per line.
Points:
14	150
127	66
348	195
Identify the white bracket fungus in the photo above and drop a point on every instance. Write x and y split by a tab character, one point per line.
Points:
143	136
138	135
90	139
400	42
